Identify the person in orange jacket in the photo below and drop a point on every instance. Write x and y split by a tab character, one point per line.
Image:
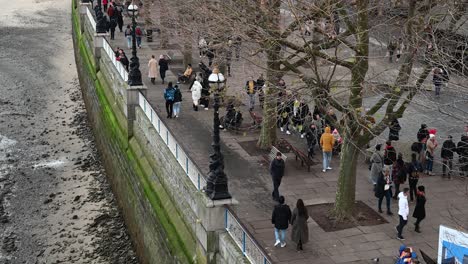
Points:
327	141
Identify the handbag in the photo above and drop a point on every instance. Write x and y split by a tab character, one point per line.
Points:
386	187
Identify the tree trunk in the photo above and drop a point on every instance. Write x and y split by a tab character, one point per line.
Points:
164	37
268	132
346	188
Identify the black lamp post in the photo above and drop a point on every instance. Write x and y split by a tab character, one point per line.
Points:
134	76
217	184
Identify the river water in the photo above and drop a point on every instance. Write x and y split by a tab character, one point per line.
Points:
56	205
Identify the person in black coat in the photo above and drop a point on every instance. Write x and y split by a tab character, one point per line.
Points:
312	139
276	172
394	130
281	218
112	26
420	209
383	188
448	147
423	133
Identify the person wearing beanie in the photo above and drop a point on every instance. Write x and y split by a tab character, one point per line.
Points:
281	218
431	146
420	208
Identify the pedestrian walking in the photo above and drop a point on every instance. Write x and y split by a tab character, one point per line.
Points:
327	141
177	101
138	36
163	67
210	53
399	48
391	50
112	26
260	89
423	133
128	35
437	79
448	148
284	113
414	170
119	16
196	94
202	46
110	11
376	166
420	208
462	150
399	174
403	211
104	5
394	130
276	172
280	219
312	138
390	154
300	117
169	93
228	60
152	69
383	188
431	146
250	88
300	230
237	46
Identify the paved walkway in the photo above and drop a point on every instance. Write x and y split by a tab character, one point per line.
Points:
250	183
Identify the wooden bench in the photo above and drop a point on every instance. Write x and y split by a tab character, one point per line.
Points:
299	154
303	157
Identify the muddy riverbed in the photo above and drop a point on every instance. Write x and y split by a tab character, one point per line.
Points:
56	205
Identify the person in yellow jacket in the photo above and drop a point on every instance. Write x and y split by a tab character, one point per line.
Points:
326	142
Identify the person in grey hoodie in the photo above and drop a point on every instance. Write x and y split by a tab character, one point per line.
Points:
403	211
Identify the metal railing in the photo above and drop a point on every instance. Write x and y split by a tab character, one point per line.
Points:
108	49
118	66
251	250
91	18
190	168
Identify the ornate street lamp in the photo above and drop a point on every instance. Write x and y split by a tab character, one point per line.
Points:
134	76
217	184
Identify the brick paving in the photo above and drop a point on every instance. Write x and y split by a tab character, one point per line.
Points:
250	183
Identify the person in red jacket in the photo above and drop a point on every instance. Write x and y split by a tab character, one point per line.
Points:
110	11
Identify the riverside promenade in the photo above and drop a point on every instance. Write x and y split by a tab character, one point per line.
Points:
250	183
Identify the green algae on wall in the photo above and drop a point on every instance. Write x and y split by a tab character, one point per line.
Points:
112	125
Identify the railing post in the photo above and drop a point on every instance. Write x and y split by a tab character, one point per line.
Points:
132	103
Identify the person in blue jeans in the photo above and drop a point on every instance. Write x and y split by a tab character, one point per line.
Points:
281	218
128	35
327	141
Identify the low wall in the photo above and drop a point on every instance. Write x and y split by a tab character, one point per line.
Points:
169	219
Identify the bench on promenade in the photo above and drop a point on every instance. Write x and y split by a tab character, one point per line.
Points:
305	160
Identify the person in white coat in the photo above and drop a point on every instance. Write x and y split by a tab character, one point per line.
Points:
152	69
196	93
403	211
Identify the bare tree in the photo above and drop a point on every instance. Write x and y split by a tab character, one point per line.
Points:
332	66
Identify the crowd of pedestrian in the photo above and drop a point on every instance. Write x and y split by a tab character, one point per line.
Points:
388	170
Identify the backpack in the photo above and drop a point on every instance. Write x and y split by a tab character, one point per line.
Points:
169	94
128	32
138	31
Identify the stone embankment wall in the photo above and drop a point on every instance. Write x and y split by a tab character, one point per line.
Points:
169	218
